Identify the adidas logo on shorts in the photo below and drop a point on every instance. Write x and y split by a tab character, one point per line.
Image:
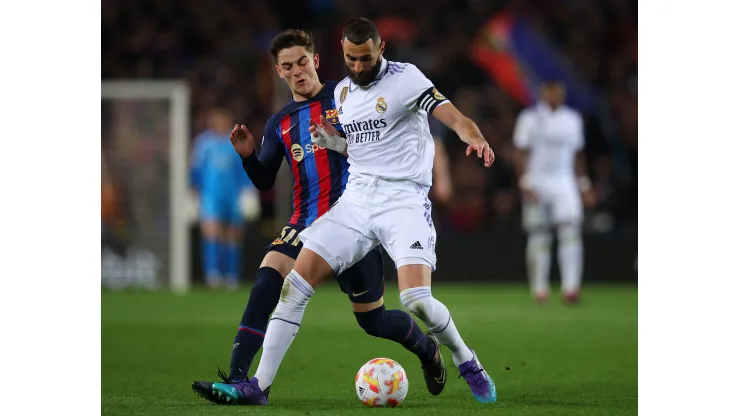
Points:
417	246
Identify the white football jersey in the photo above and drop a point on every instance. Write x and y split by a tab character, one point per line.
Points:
552	138
386	124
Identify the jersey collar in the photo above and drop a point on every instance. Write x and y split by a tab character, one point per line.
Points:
543	107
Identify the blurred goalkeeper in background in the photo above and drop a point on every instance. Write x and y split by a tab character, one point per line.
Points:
225	196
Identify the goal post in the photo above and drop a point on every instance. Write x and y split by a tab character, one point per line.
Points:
168	225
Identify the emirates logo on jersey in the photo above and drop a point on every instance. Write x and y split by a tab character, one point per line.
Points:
364	131
367	125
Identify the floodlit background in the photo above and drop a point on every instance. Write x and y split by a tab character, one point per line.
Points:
166	64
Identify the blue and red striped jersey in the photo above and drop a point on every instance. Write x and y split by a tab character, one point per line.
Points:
319	175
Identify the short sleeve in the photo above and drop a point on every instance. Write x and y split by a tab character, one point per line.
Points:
523	130
416	89
579	135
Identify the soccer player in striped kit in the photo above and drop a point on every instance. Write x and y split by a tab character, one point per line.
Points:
319	178
384	108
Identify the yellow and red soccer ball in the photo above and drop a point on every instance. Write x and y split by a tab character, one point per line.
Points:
381	382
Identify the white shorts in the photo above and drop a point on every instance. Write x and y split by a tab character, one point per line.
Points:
396	214
554	206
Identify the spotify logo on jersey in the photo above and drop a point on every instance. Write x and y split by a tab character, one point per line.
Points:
297	152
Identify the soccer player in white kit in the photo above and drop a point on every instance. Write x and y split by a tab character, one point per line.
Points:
553	179
383	109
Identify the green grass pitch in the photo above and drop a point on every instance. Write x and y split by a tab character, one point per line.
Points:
545	360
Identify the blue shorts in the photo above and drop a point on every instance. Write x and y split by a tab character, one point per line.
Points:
223	208
363	282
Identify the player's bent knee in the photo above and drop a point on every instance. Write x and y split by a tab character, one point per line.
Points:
415	299
414	273
278	261
568	232
312	267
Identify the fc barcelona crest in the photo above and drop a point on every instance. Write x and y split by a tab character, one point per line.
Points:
381	106
343	95
332	116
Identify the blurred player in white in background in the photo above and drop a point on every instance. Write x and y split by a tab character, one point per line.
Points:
553	180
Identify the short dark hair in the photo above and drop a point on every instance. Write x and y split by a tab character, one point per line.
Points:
289	38
359	30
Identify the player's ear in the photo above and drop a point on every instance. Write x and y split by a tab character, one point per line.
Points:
316	61
382	47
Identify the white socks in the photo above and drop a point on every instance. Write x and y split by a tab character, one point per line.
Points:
283	327
437	318
570	257
538	262
570	260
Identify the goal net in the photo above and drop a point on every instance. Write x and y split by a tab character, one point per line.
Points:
145	141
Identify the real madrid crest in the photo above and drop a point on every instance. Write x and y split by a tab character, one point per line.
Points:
343	95
381	106
438	95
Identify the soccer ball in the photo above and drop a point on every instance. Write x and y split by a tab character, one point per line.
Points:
381	382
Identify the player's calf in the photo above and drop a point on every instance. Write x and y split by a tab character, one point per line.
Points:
437	317
570	257
211	252
538	263
399	326
284	325
263	298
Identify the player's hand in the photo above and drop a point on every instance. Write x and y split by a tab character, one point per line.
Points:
529	196
325	135
249	204
484	151
525	187
314	128
589	198
242	140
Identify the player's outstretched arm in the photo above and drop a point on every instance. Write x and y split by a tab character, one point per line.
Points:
442	189
522	140
261	170
467	130
584	183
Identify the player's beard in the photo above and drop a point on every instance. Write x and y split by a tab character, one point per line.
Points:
364	78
